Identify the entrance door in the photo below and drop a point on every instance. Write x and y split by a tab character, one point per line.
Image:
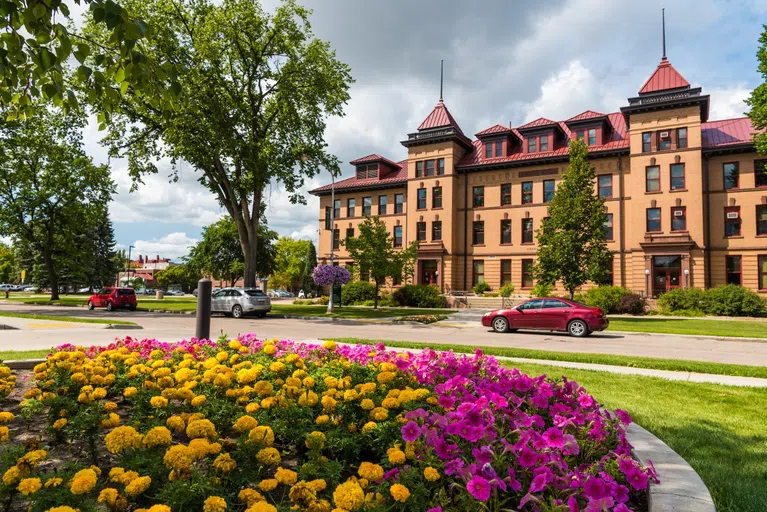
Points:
429	272
666	273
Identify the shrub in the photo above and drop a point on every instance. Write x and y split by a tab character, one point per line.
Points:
386	300
733	300
422	319
541	290
506	290
493	294
481	287
632	304
302	302
605	298
357	292
419	296
322	301
682	299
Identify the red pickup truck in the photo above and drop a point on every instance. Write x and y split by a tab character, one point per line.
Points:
113	298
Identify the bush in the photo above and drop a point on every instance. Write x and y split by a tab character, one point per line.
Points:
632	304
481	287
605	298
541	290
322	301
682	299
733	300
493	294
302	302
419	296
386	300
506	290
357	292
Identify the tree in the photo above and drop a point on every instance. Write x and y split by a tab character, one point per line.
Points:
373	251
255	92
758	99
571	242
182	275
101	238
8	265
290	262
48	187
308	284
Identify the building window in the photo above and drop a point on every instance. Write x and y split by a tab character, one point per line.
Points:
328	216
436	230
429	167
419	169
337	209
336	239
664	140
506	193
367	171
350	204
681	138
527	231
531	144
397	236
396	280
499	148
479	272
652	179
653	220
367	206
440	166
732	221
527	273
399	203
646	142
421	203
478	196
381	205
592	137
733	264
605	185
505	272
609	227
679	218
731	175
607	280
548	190
488	150
677	177
761	220
527	192
760	173
762	270
349	233
420	231
544	142
478	233
436	197
506	231
579	135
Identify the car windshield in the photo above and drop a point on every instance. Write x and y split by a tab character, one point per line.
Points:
125	292
255	293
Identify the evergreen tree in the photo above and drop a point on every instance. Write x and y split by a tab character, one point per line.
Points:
571	242
105	265
310	261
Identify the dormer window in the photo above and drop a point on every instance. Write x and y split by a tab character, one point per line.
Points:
592	136
367	171
532	144
493	149
544	142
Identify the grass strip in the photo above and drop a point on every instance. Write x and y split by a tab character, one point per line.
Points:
691	326
678	365
11	355
60	318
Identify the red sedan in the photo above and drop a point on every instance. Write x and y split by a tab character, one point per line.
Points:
113	298
548	314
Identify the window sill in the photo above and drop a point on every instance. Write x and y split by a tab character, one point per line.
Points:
436	239
682	231
421	209
737	237
507	244
477	245
436	207
527	243
654	192
678	190
654	232
762	236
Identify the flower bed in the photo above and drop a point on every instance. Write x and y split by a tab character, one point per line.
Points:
268	426
422	319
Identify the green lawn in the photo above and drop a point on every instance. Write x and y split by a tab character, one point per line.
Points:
719	430
355	312
693	326
679	365
10	355
61	318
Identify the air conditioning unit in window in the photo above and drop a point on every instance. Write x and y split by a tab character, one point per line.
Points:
664	135
732	215
678	213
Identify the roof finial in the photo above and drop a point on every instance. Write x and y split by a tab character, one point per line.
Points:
664	32
441	76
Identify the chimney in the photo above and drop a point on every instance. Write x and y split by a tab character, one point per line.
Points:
158	258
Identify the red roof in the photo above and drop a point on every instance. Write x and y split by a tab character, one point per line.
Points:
541	121
665	77
438	118
399	176
374	158
589	114
493	129
727	131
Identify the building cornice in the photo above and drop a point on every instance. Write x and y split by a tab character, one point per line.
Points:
745	147
361	188
529	162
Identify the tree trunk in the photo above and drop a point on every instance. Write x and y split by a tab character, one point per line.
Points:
572	293
53	279
251	259
375	299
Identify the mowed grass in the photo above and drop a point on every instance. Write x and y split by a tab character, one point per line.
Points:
62	318
11	355
690	326
718	430
678	365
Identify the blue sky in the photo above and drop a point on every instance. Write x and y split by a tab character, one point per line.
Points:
504	62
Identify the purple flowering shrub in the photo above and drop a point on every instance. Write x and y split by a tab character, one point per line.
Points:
326	275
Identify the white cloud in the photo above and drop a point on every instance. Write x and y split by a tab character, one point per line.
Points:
6	240
728	102
172	245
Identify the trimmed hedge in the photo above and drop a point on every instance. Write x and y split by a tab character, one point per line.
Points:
419	296
727	300
357	292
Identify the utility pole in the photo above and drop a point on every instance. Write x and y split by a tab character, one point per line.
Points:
332	233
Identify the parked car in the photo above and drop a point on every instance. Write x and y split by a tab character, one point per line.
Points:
175	293
239	302
113	298
87	289
6	287
30	288
548	314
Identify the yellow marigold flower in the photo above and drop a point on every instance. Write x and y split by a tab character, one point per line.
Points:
200	447
112	420
11	475
109	496
59	423
83	482
121	439
385	377
33	458
29	486
331	382
158	508
308	398
267	485
379	414
176	423
250	496
222	380
262	435
4	434
129	392
286	476
390	403
396	456
322	420
369	426
62	509
137	486
431	474
399	492
367	404
214	504
268	456
245	424
198	400
370	471
156	354
319	485
225	463
328	403
277	367
269	349
302	493
308	382
349	496
158	436
158	401
6	417
178	457
252	407
315	440
201	428
261	506
350	395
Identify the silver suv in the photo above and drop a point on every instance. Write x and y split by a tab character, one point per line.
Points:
239	302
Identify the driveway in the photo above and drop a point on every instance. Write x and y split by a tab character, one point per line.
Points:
462	329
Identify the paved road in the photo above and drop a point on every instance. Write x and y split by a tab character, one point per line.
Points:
463	329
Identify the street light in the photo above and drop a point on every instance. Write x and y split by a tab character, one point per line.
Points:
332	232
687	278
647	279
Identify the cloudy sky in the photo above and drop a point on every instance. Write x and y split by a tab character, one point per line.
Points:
505	61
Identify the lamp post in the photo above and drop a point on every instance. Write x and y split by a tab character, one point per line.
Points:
127	269
647	279
687	278
332	233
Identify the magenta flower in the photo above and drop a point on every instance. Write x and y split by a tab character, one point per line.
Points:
326	275
411	431
479	488
637	478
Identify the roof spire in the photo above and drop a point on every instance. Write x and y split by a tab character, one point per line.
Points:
663	11
441	76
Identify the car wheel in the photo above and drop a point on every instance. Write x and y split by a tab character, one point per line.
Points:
132	308
237	311
109	306
578	328
500	324
90	305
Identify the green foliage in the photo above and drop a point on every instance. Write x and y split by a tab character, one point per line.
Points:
8	264
373	251
419	296
632	304
758	99
541	290
310	261
182	275
606	298
358	292
481	287
506	290
728	300
290	263
691	299
571	242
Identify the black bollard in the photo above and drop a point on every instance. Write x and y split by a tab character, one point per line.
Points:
204	289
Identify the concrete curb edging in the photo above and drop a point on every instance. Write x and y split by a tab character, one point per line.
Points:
23	364
681	489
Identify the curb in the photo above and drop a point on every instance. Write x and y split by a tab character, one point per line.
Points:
694	336
681	488
4	327
122	326
23	364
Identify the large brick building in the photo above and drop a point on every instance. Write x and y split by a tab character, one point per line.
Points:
686	196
